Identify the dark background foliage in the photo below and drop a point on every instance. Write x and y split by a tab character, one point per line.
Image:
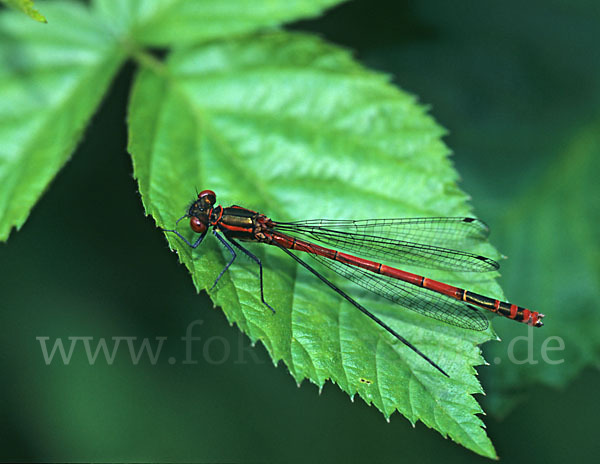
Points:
518	87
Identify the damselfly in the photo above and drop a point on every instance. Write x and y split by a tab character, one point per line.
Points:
414	241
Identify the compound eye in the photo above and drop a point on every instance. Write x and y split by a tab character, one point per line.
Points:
208	196
197	225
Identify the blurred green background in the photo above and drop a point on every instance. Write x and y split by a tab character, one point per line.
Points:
517	85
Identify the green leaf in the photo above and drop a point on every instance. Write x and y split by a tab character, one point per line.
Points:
26	6
170	22
51	81
564	226
292	127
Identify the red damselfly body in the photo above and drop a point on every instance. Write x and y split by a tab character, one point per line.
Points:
414	241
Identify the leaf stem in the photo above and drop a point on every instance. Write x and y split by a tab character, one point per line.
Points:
146	60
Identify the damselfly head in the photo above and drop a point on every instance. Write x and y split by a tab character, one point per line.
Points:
200	210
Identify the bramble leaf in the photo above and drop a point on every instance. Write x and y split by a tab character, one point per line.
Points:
52	79
174	22
293	127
